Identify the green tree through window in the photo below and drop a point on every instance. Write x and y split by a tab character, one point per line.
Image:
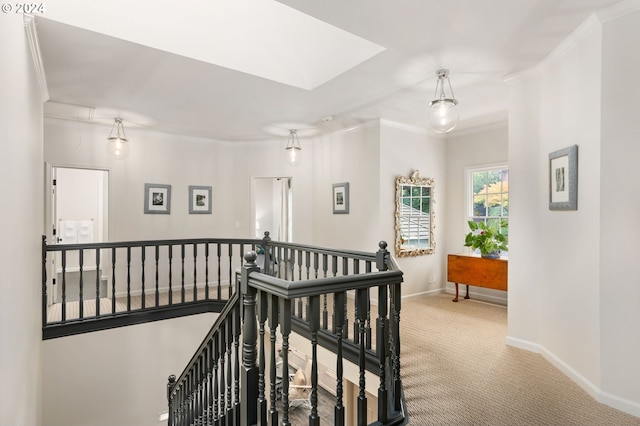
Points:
489	200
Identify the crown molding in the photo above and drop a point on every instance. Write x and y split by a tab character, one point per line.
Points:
618	10
32	37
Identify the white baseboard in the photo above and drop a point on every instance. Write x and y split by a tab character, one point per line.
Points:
594	391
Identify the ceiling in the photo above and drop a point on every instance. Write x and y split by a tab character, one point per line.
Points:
154	65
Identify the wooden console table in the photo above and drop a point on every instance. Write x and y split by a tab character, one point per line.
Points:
471	269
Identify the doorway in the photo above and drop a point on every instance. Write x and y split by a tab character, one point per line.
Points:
271	202
77	206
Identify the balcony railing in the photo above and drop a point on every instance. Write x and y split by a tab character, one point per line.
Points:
347	302
233	377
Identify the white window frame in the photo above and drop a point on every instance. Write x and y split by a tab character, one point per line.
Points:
469	171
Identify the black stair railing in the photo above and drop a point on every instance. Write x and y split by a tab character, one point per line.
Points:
87	287
311	291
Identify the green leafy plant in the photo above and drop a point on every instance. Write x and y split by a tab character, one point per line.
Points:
488	238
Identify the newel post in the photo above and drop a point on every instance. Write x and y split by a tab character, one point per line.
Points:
382	328
266	246
171	381
249	375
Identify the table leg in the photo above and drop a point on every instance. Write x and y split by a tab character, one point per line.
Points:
455	299
467	296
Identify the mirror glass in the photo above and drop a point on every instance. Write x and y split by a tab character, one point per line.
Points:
414	215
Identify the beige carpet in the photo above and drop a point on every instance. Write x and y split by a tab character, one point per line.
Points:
457	370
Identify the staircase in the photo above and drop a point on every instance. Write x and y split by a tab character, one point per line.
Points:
288	291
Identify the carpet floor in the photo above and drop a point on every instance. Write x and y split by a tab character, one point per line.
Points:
457	370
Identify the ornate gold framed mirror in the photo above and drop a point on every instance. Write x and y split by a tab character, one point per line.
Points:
414	215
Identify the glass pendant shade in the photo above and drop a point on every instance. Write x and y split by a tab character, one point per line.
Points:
293	148
443	115
443	111
118	145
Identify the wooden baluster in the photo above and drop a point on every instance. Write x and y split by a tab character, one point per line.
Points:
272	307
230	412
395	306
170	247
195	272
216	382
368	325
314	326
339	410
210	361
285	329
206	271
113	280
128	279
382	339
223	350
263	300
230	270
64	285
98	274
143	296
219	271
81	284
182	290
157	259
299	265
361	304
237	330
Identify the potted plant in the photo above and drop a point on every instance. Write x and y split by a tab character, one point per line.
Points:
488	238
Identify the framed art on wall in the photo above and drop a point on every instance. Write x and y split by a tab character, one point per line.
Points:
563	179
157	198
341	198
199	199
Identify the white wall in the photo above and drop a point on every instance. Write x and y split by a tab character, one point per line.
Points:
154	158
403	150
485	146
117	376
22	188
572	287
619	211
347	156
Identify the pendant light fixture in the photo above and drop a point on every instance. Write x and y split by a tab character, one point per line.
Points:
118	145
293	148
443	114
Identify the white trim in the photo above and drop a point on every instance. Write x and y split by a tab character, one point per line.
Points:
468	171
422	293
32	37
594	391
408	128
618	10
587	26
478	296
500	124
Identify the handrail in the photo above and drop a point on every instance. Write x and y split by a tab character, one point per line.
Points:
198	396
96	286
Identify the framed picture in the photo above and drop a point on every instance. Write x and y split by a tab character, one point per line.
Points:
199	199
341	198
157	198
563	179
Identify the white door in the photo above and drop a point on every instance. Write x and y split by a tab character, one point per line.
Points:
78	208
271	200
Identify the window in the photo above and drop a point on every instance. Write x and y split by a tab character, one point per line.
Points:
488	195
